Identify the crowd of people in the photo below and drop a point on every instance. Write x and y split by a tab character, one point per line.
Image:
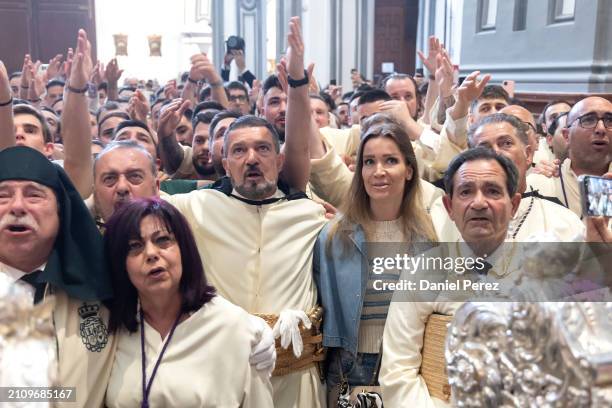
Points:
216	232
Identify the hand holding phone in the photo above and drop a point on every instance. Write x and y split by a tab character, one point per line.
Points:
596	196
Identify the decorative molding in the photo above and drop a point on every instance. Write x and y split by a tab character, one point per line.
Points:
359	35
203	11
339	42
421	42
280	28
333	72
248	5
218	32
251	16
364	33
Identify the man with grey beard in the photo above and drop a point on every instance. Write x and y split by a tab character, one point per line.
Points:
256	236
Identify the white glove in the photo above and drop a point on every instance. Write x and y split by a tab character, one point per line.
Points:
263	350
287	328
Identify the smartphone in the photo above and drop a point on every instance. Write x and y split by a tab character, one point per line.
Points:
509	87
596	196
332	82
42	68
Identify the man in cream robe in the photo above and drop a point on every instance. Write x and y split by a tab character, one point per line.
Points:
474	171
536	213
50	241
590	152
259	257
256	237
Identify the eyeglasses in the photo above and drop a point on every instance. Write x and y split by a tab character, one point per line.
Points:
529	125
590	121
238	98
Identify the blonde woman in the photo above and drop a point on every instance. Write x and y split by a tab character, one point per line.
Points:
383	205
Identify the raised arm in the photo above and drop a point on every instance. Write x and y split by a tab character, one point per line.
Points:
296	169
429	61
471	88
75	120
7	129
112	74
170	152
203	69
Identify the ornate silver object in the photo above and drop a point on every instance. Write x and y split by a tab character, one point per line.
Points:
27	338
531	355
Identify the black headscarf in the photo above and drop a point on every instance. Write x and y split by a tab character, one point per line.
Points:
77	263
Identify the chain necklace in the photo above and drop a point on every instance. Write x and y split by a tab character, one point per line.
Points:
524	216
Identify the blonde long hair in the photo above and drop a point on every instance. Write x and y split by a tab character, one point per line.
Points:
355	208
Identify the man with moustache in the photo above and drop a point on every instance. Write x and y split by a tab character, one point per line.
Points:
258	227
50	242
506	135
481	198
265	231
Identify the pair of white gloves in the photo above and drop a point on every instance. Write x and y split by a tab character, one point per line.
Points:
263	351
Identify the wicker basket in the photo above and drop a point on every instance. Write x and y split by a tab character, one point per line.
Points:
313	351
433	365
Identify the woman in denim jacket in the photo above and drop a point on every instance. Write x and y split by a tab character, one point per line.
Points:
382	205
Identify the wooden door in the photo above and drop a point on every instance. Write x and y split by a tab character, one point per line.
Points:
395	34
42	28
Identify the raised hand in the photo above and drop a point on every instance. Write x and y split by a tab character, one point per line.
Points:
26	77
82	64
471	88
335	91
5	86
202	68
254	91
295	50
171	90
67	65
113	73
397	109
97	74
313	85
444	74
37	82
54	68
228	58
281	73
170	117
239	59
138	108
430	61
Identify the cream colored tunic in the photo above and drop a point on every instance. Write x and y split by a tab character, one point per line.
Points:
555	186
399	377
544	216
85	350
331	180
345	141
260	258
206	364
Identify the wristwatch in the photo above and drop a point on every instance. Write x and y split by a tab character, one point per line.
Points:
295	83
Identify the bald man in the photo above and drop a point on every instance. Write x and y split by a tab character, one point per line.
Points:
589	137
540	148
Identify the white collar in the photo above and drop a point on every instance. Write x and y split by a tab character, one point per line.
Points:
16	274
277	194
